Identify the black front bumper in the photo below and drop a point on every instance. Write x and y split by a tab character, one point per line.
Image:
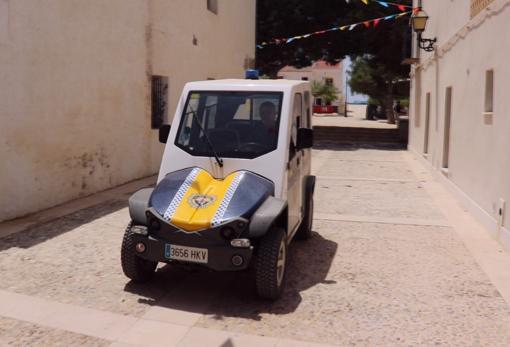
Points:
158	239
219	257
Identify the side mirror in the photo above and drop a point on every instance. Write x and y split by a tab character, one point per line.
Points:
304	138
164	130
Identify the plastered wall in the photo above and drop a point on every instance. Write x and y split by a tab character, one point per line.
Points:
479	159
75	88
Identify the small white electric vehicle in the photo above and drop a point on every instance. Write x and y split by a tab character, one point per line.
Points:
234	187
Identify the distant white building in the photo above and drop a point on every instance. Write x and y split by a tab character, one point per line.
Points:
460	121
319	71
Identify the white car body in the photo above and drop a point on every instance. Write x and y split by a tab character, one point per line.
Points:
286	175
234	187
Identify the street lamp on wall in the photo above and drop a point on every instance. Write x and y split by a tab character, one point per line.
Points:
419	23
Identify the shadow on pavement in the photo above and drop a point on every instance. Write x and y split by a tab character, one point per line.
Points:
232	294
48	230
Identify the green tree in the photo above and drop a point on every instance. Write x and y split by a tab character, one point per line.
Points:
384	44
325	91
382	83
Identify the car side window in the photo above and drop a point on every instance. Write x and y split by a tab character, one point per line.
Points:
296	123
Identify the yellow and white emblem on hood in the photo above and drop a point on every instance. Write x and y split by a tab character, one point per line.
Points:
200	200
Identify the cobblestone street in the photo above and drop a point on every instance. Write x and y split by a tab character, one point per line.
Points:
394	261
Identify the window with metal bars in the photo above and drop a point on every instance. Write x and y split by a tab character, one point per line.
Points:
159	101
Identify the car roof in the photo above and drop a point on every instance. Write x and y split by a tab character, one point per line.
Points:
245	84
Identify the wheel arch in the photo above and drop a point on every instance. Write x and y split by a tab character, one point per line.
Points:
272	212
138	204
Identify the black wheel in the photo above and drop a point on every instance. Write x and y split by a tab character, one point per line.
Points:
271	264
134	267
305	229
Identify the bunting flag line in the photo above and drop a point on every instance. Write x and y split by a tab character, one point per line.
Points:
366	23
401	7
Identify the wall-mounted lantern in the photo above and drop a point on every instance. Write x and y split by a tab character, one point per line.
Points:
419	23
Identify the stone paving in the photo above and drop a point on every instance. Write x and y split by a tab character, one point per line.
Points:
18	333
384	268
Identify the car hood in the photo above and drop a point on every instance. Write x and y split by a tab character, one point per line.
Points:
193	200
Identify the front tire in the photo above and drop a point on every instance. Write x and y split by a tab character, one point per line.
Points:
271	264
134	267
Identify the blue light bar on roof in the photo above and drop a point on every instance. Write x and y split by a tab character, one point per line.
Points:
252	74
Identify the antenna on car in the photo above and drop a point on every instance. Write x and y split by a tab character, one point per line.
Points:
207	139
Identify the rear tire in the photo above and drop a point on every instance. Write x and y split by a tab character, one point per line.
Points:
271	264
134	267
305	229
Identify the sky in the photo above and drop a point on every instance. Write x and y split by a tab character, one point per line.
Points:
352	97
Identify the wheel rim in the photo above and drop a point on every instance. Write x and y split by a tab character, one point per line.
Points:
280	265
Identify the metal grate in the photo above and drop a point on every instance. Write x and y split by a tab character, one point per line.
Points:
478	6
159	101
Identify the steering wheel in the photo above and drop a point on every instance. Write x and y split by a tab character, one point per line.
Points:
252	147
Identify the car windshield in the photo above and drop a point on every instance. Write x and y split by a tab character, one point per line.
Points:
230	124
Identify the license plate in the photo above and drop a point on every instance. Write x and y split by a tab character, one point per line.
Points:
191	254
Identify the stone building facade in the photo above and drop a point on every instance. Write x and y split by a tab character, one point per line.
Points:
460	111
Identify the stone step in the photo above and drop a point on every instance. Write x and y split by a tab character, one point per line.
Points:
333	134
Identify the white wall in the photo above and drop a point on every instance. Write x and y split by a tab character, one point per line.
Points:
220	52
479	161
75	93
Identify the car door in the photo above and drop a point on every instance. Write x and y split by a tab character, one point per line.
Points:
294	184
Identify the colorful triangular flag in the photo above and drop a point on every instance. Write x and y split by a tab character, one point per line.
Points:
366	23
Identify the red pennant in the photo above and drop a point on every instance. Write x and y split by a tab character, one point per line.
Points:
367	24
401	8
376	21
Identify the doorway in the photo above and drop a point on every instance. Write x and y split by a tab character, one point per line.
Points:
447	123
427	124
